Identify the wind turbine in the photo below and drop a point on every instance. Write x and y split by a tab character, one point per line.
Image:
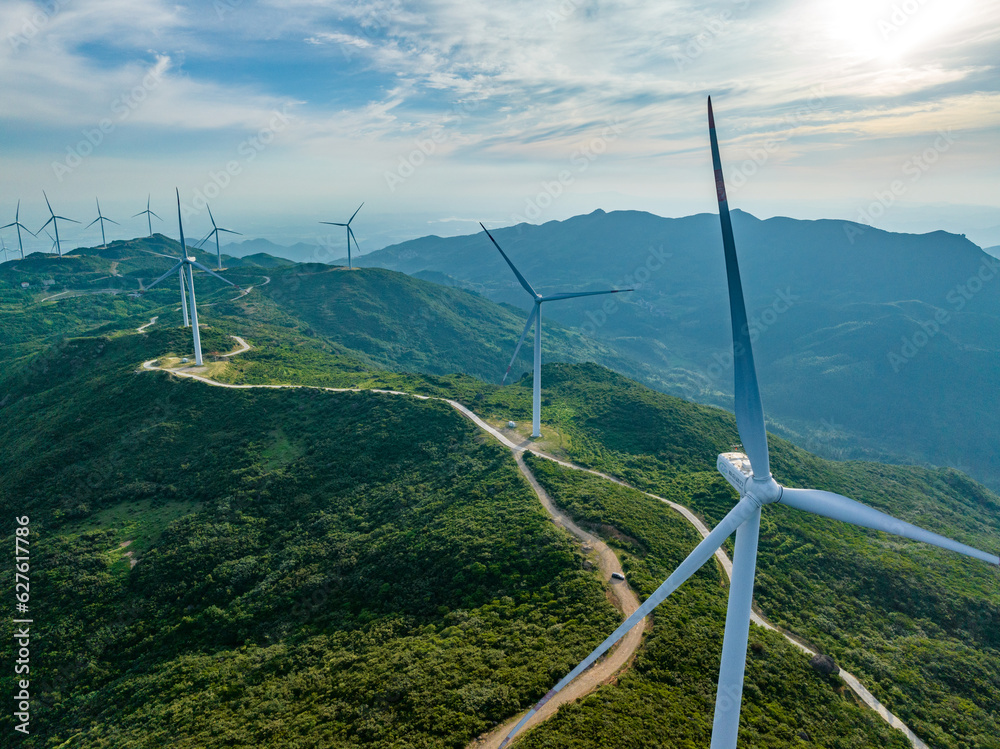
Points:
350	234
102	219
5	250
19	225
536	317
52	220
187	264
148	214
215	231
750	474
47	234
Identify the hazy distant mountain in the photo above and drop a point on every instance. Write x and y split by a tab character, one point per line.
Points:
300	252
868	342
994	251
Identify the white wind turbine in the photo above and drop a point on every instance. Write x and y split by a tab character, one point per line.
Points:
186	264
55	223
148	214
350	234
215	231
102	218
19	225
750	475
536	317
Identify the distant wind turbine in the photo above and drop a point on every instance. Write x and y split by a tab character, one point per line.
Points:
215	231
5	250
148	214
750	475
187	264
55	223
536	317
350	234
19	225
102	219
52	238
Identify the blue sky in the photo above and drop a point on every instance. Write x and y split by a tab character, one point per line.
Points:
439	114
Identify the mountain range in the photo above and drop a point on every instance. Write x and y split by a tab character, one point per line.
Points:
300	567
869	344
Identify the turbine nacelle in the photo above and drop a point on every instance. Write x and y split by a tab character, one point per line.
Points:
735	468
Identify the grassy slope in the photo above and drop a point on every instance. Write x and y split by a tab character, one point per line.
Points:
335	569
918	626
667	699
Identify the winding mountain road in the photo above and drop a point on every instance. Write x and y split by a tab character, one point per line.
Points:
622	595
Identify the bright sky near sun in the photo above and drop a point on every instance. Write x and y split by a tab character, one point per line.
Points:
442	113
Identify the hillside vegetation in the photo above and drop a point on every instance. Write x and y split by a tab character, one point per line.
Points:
356	569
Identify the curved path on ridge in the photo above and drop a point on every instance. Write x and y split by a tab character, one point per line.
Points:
622	595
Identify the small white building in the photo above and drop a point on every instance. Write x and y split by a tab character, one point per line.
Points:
511	424
25	284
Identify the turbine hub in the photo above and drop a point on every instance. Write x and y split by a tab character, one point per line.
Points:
764	491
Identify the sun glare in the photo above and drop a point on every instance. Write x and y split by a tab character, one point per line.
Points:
891	29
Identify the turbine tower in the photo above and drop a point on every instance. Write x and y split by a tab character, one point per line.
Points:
19	225
148	214
750	475
215	231
102	219
536	317
53	220
186	265
350	234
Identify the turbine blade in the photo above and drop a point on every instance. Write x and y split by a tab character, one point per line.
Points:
111	220
205	238
701	554
354	214
729	692
51	212
153	214
63	218
350	232
140	213
230	231
524	334
525	284
5	226
180	223
53	218
168	273
92	222
332	223
749	409
160	254
838	507
196	264
211	216
574	294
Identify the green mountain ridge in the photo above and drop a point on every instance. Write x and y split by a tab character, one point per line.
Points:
354	569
